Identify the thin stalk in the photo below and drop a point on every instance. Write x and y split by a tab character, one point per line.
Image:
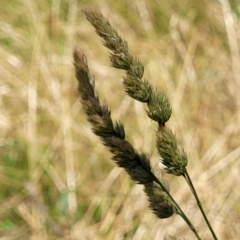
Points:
188	180
181	213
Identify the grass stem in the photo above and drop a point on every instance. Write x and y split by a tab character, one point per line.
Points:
188	180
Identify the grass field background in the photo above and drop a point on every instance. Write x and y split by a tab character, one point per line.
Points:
57	180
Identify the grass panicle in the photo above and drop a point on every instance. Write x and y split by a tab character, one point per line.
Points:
141	90
112	134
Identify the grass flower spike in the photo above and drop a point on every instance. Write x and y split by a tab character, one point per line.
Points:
112	134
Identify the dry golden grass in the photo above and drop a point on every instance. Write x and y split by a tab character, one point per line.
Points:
57	179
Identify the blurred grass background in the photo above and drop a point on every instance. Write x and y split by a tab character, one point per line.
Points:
56	179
